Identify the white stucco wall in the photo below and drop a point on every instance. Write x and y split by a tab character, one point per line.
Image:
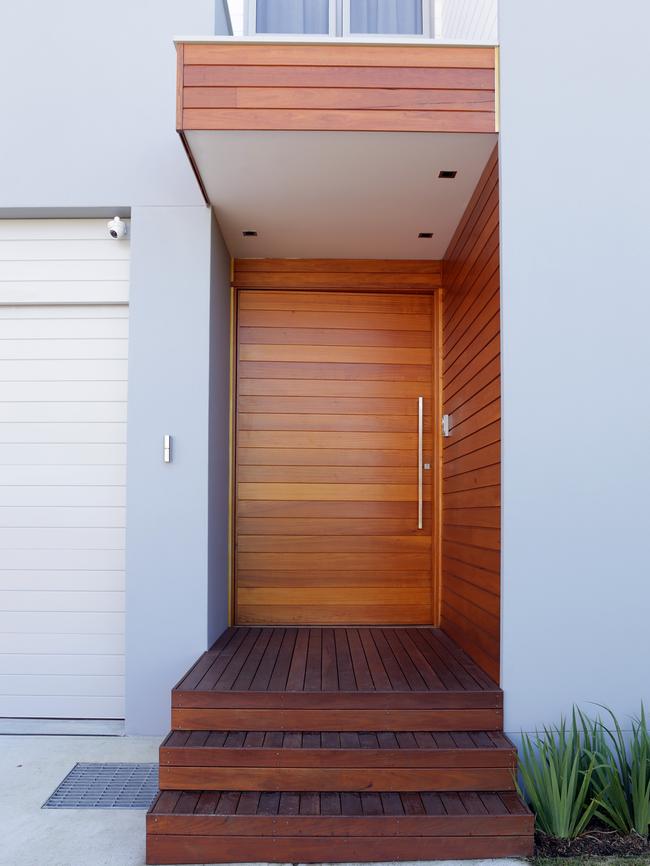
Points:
575	186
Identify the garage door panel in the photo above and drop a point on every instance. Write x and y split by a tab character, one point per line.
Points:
21	580
43	313
48	271
48	559
68	433
53	229
60	453
54	249
33	664
63	349
20	371
65	475
41	622
55	517
84	538
60	412
77	391
88	495
44	684
63	328
34	643
51	601
61	707
64	292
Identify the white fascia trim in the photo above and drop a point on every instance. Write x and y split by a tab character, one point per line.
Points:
273	39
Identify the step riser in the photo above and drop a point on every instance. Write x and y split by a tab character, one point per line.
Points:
336	779
200	719
180	849
363	756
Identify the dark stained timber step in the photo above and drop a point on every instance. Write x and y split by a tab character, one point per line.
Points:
236	826
337	761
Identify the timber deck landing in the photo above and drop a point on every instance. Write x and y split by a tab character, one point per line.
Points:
336	744
336	679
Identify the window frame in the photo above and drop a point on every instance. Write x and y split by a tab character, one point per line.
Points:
427	25
250	22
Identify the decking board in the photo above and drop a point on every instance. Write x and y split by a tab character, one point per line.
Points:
334	659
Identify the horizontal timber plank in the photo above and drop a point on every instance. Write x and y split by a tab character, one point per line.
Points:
339	98
352	439
337	613
350	120
178	848
328	474
332	422
329	335
340	320
358	76
337	280
379	510
205	756
330	526
344	355
269	54
349	544
348	778
365	579
340	700
195	719
335	370
333	301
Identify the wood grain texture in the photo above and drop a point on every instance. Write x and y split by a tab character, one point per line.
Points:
429	88
471	517
348	778
326	441
179	848
237	825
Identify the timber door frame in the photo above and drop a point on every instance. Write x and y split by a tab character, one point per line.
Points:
394	277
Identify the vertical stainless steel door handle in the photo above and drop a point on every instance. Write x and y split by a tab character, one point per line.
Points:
420	467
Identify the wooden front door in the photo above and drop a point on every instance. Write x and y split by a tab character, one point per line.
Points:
326	468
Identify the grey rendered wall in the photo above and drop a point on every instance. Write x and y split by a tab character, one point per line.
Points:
575	186
88	118
88	109
176	597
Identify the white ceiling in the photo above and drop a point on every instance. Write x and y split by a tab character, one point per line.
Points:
338	194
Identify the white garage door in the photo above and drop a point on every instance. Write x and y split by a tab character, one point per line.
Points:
63	388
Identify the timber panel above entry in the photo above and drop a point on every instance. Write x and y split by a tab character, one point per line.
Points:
415	88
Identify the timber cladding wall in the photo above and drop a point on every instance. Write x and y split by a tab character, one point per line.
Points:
424	88
471	523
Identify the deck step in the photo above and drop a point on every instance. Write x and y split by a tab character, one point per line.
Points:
337	761
309	827
375	679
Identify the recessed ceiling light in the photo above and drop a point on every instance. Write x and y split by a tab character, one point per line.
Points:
425	234
249	234
448	175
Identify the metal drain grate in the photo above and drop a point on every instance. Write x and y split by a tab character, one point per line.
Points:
106	786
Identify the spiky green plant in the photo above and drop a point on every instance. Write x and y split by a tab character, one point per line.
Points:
610	779
557	779
621	778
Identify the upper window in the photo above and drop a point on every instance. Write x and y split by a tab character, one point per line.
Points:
291	16
383	17
359	18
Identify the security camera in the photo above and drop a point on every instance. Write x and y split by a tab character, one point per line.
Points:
116	228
